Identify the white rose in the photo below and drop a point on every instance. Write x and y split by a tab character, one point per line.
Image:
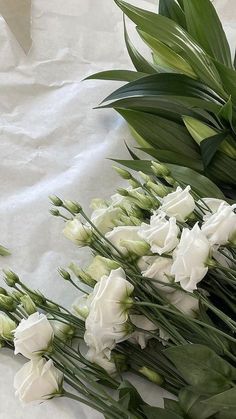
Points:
190	258
141	336
184	302
80	307
161	234
106	323
101	266
77	232
212	206
220	228
179	204
7	326
104	218
38	380
161	271
33	336
101	360
126	239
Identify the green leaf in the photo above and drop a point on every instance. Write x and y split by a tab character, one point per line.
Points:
226	112
192	405
205	27
172	10
228	78
223	169
198	130
175	158
173	406
157	412
139	62
160	132
129	394
4	251
199	183
168	86
166	57
226	414
173	35
226	399
210	145
117	75
200	367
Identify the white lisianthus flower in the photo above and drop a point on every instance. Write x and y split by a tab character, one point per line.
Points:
7	326
190	258
184	302
161	271
161	234
33	336
179	204
80	307
101	266
104	218
106	323
38	380
126	239
78	233
211	206
220	227
102	360
141	336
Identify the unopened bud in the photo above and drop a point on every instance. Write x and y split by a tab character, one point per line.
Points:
83	276
159	189
122	192
152	375
4	251
170	180
64	274
134	183
7	303
28	304
145	177
56	201
143	201
17	295
139	247
123	173
55	212
159	170
11	278
3	291
73	207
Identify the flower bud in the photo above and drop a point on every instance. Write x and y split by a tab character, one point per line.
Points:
7	303
82	275
78	233
134	183
145	177
120	362
122	192
152	375
11	278
160	170
7	326
17	295
159	189
28	304
55	212
101	266
143	201
62	331
3	291
56	201
138	247
73	207
38	298
123	173
4	251
64	274
170	180
98	203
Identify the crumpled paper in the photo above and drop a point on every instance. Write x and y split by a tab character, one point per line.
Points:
17	14
53	142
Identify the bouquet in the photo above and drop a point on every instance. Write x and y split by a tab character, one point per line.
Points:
157	299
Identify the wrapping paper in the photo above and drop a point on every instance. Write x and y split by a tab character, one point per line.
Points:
53	142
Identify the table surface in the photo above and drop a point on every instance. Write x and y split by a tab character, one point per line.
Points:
53	142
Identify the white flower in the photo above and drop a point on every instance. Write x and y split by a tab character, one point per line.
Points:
220	228
38	380
190	258
33	336
179	204
145	262
161	234
184	302
106	323
101	360
7	326
161	271
141	336
212	206
101	266
77	232
104	218
80	307
126	238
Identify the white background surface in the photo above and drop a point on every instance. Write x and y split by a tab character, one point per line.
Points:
53	142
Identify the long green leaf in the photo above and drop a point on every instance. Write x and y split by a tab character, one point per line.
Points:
159	413
172	10
199	183
160	132
228	78
224	400
118	75
139	62
222	169
173	35
205	27
210	145
165	85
